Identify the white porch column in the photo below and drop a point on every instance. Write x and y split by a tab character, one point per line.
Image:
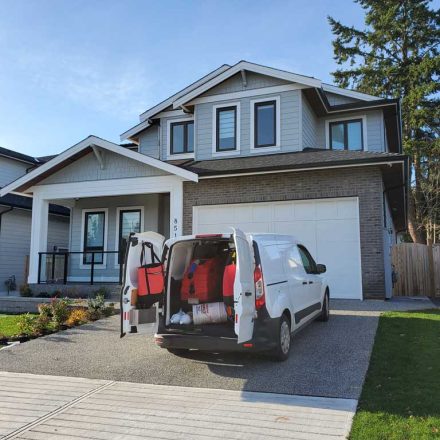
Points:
176	209
40	218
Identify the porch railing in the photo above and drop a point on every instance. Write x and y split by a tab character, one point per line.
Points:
59	267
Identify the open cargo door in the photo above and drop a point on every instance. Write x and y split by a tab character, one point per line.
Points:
137	312
244	288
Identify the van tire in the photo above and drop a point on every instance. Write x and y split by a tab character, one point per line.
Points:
325	312
281	352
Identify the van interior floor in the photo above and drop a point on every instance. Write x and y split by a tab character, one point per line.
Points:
224	329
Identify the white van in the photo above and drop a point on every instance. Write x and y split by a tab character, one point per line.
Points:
277	288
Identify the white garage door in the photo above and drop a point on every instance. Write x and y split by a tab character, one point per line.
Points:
329	228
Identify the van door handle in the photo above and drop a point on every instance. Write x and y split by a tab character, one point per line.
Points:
247	293
310	282
304	282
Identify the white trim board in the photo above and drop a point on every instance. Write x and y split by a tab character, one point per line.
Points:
349	93
88	142
245	65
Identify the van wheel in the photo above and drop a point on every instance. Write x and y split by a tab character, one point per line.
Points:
281	353
325	312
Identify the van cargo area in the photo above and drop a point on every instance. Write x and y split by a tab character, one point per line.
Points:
199	298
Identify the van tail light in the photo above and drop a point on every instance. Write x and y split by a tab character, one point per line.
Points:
260	297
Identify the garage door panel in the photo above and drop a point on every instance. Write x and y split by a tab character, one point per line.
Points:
329	228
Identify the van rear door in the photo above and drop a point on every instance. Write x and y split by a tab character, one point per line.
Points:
135	319
244	288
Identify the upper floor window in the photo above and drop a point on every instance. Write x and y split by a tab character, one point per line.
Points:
226	128
265	124
346	135
182	137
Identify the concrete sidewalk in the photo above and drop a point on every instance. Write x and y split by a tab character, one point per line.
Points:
54	407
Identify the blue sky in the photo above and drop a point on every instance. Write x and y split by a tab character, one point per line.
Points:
70	68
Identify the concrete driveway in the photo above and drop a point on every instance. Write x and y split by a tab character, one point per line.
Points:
327	359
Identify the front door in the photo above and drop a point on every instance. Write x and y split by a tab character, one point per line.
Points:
129	223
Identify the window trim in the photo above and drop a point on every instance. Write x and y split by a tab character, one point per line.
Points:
184	155
215	111
253	124
120	209
362	118
102	265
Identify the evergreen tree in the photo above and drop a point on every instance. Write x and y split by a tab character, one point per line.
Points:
396	55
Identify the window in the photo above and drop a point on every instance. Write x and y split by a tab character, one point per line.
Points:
346	135
94	233
129	221
265	124
182	137
226	128
307	260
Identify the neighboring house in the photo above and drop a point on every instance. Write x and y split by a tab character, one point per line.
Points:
249	146
15	219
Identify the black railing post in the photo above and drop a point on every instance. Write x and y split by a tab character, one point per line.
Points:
39	268
66	256
53	267
93	268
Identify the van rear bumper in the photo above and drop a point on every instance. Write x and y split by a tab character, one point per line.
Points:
263	340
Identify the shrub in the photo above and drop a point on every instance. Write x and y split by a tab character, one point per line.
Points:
96	304
26	324
25	290
43	295
45	309
77	316
102	291
41	324
109	310
60	310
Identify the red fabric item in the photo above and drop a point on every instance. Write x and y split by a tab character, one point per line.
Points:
228	280
150	279
202	280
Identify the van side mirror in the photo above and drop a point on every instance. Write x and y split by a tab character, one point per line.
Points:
321	268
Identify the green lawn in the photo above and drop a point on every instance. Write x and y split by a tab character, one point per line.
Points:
401	395
8	325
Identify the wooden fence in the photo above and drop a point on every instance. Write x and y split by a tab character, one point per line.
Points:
417	269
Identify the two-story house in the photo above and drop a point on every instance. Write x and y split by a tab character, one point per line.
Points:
249	146
15	220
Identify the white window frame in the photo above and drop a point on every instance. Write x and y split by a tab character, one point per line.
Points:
83	225
277	145
118	212
183	155
343	119
216	153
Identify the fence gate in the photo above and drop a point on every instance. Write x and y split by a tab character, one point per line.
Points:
417	269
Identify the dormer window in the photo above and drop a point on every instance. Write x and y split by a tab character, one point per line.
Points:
265	124
182	137
226	129
346	135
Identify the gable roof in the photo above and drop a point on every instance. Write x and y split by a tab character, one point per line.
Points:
18	156
81	149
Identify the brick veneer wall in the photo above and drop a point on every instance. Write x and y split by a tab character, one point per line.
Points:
363	182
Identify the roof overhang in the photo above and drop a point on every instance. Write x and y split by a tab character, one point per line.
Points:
22	184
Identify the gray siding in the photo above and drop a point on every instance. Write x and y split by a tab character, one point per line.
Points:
253	81
11	169
150	202
115	167
309	123
149	142
15	238
335	99
290	123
